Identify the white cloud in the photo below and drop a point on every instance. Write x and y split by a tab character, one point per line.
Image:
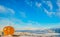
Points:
58	3
58	10
23	14
2	9
38	4
11	10
28	2
20	25
58	14
5	10
49	4
17	24
31	25
7	22
55	25
49	13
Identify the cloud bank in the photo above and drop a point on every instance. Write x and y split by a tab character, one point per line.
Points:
5	10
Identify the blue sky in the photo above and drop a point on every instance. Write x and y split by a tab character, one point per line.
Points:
30	14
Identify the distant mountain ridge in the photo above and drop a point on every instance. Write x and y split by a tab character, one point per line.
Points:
55	30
